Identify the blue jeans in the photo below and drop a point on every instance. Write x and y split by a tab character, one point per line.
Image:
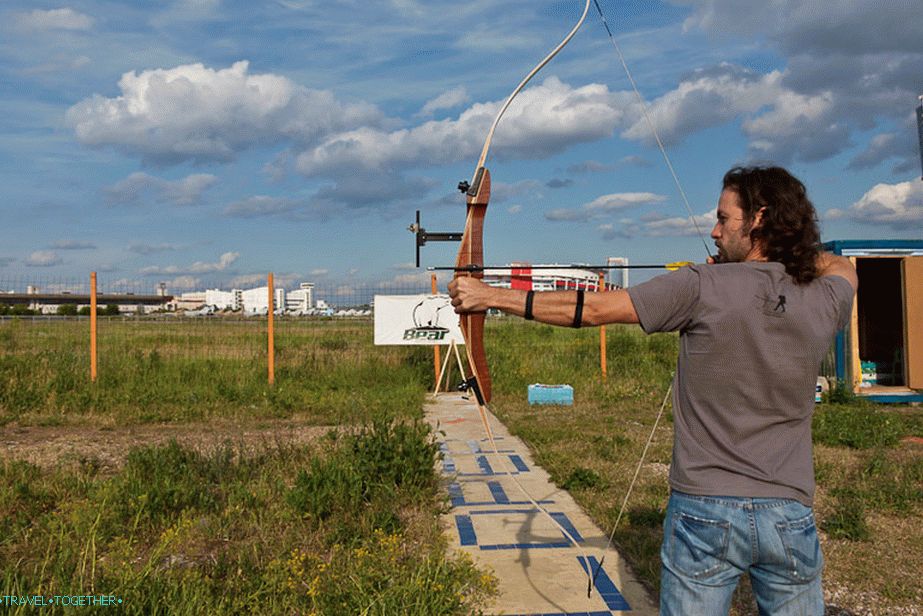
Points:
710	541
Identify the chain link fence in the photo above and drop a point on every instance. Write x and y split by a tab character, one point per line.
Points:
153	344
137	318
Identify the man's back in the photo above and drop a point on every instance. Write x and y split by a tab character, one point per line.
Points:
751	345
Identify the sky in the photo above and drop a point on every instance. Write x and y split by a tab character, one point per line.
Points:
208	142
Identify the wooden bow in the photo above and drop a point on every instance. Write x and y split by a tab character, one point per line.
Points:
471	252
471	255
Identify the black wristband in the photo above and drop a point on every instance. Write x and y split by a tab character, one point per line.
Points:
578	310
530	295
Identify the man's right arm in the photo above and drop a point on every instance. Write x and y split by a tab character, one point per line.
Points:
829	264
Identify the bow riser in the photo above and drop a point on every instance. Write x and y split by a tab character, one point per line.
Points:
470	253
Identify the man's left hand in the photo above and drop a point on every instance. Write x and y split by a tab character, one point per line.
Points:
469	295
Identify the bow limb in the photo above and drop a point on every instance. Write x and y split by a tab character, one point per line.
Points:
522	84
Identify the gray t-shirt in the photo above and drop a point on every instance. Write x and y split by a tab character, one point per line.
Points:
751	345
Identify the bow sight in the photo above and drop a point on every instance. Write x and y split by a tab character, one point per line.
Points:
424	236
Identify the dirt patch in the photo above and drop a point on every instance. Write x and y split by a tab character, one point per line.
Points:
107	447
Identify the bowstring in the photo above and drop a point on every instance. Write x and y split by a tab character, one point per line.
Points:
650	124
631	486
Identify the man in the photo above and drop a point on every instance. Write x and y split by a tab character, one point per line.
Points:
755	324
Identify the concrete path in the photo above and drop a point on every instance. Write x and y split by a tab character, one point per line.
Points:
540	572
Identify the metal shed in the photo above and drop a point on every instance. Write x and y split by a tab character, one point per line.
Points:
880	353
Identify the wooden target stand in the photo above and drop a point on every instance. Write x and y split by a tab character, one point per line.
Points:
443	372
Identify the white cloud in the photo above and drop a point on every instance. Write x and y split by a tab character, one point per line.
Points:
625	229
260	205
878	149
603	206
844	26
504	191
899	206
900	145
489	41
807	125
59	63
678	226
192	112
419	278
73	245
543	120
338	198
183	283
54	19
199	267
658	226
851	65
143	248
249	280
186	191
43	258
447	100
594	166
261	279
704	99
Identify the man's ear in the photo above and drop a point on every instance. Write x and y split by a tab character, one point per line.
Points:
758	218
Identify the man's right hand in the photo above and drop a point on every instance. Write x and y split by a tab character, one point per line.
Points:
829	264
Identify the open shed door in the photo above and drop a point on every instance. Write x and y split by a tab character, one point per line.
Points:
912	275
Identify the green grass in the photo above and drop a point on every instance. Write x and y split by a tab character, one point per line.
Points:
327	372
293	528
858	426
345	528
883	480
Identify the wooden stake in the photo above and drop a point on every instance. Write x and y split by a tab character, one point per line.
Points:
271	336
436	361
93	373
602	334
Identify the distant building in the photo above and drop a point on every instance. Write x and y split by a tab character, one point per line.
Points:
300	300
256	301
189	301
223	300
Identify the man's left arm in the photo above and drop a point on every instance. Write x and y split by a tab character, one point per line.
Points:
553	307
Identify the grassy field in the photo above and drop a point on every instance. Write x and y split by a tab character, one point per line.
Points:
201	369
345	521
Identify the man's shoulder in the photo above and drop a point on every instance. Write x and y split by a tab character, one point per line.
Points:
739	272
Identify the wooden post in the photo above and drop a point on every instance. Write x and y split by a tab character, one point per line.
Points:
271	336
602	334
93	373
436	361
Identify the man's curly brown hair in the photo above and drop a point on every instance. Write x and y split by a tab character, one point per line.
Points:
789	233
